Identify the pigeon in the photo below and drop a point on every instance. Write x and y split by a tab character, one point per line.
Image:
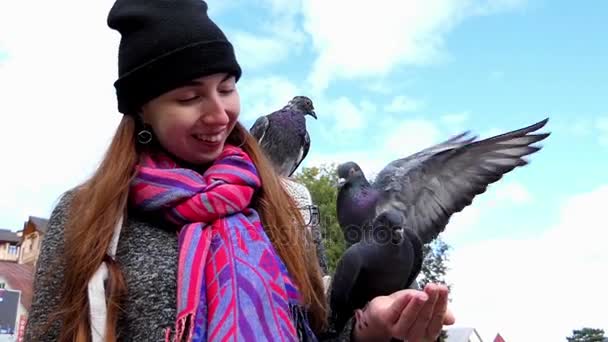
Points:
408	205
428	187
283	136
387	253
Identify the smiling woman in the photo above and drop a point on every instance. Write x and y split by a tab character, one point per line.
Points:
185	232
175	117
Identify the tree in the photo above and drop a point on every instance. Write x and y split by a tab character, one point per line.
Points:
321	182
434	268
587	335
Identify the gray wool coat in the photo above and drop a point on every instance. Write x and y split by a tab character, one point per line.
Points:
148	254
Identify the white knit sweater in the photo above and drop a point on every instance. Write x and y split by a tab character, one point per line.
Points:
302	197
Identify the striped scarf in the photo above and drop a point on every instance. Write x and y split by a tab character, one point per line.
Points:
232	285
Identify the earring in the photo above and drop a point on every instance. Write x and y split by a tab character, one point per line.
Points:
144	136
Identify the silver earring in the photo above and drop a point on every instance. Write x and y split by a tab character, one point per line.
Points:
144	136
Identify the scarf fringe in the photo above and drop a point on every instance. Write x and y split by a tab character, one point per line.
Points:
180	328
301	322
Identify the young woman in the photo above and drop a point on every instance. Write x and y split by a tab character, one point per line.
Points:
184	232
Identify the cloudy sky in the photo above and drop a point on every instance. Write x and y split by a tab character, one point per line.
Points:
388	78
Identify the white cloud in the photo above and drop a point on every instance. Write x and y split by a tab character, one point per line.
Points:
271	40
59	108
256	52
537	289
498	195
400	140
463	222
513	192
347	115
410	136
355	39
264	95
402	103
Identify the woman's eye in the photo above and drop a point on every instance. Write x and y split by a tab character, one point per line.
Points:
226	91
189	98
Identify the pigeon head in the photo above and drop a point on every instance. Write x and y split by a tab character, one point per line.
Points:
303	104
349	171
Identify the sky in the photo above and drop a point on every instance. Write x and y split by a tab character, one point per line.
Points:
387	78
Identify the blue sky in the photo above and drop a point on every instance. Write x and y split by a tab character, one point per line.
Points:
387	80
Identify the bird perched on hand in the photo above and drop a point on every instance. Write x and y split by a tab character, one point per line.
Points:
382	262
283	136
415	197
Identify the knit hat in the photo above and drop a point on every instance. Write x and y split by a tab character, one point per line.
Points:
164	44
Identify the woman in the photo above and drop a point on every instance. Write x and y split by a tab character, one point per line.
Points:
184	232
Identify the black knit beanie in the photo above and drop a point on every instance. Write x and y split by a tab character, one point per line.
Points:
164	44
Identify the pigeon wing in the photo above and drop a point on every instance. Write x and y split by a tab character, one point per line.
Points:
259	128
303	153
432	185
343	283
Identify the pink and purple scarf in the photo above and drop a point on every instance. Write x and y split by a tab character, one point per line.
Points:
232	285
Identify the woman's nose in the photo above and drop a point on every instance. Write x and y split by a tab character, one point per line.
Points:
214	111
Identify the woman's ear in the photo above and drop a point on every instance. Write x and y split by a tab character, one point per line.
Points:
139	116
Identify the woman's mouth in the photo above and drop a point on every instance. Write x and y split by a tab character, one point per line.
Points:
210	138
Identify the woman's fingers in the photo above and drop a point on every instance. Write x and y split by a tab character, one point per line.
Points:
420	326
400	300
439	312
449	318
407	318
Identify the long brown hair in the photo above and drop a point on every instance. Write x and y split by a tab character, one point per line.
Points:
98	203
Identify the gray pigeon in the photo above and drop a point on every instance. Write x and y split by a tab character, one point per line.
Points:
412	201
283	135
428	187
356	278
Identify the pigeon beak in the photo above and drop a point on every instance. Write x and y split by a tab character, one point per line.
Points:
341	182
313	114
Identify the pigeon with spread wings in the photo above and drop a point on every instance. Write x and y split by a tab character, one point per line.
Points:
411	202
428	187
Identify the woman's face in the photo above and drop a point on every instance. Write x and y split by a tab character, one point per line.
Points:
192	122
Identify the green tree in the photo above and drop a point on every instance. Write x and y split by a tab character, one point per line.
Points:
587	335
321	182
434	268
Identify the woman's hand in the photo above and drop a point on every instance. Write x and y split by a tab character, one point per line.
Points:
415	316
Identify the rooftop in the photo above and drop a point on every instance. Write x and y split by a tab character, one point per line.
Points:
19	277
39	222
9	236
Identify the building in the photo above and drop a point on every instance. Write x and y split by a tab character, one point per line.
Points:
463	334
18	256
33	232
9	245
16	287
